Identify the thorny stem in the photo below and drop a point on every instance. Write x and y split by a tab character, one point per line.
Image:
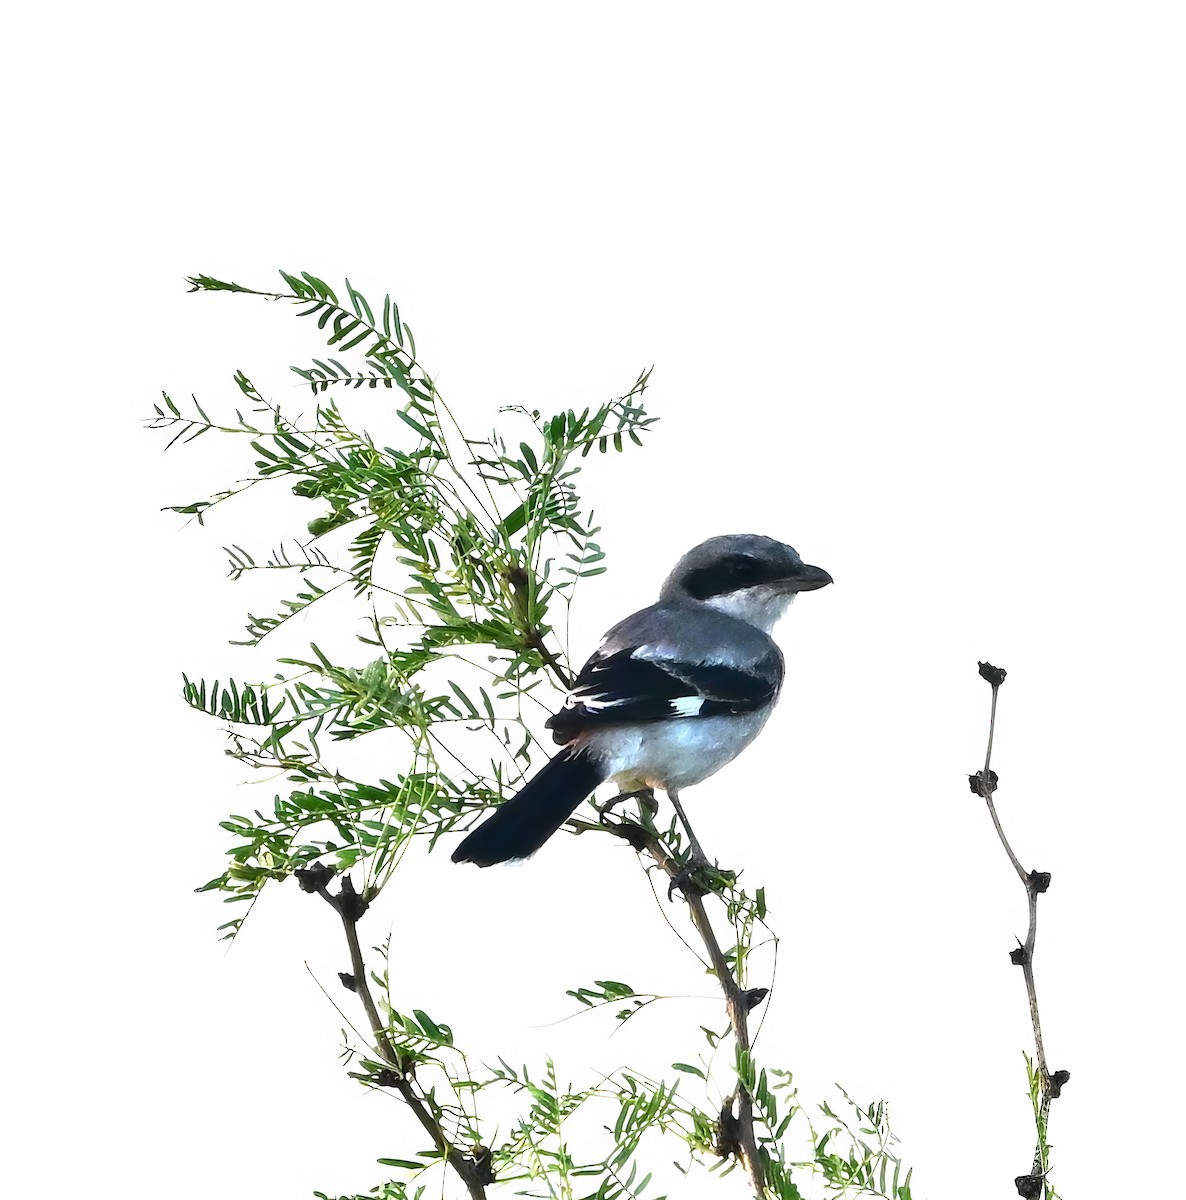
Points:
350	907
741	1141
1034	882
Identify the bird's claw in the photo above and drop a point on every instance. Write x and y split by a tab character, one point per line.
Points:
697	877
644	796
687	883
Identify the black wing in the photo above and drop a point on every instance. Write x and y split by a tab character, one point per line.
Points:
623	687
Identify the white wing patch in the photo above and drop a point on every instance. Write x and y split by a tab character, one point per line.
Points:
594	701
681	706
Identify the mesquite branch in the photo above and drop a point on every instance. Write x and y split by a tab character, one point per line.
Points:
984	783
736	1135
350	907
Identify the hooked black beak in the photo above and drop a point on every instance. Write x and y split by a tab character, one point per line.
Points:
806	578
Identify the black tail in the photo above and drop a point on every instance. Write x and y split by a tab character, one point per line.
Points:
522	825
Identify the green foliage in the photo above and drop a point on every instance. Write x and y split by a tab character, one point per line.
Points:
458	551
608	991
456	557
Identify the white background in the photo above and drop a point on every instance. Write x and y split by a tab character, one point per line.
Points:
911	278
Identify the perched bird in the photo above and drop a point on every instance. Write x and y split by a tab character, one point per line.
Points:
671	695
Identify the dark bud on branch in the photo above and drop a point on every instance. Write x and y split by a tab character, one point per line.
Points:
314	878
348	902
1029	1187
483	1162
754	997
983	783
1038	882
994	675
728	1132
1019	957
387	1077
348	981
1058	1081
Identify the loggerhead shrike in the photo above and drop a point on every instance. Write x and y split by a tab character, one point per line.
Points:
671	695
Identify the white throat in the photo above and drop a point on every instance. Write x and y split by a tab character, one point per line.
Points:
761	605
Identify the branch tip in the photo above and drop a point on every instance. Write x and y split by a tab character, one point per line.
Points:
994	675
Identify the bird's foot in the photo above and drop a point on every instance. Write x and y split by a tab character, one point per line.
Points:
644	796
697	876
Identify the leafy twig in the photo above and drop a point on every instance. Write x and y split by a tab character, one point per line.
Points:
736	1137
1033	1185
350	907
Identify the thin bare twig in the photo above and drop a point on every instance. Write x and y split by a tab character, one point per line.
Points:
350	907
1033	1185
736	1135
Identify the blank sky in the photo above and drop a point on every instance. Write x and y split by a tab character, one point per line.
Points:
911	280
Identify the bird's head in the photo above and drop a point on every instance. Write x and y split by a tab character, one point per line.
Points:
746	575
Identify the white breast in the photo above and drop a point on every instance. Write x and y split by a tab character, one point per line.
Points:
677	753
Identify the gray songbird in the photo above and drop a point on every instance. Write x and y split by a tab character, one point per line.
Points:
671	695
